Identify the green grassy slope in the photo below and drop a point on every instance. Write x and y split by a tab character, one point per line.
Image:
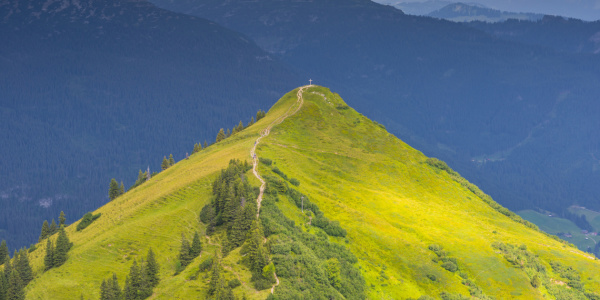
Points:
392	204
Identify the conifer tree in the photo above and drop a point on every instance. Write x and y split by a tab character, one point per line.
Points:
45	232
196	247
115	288
128	292
22	265
121	189
15	287
171	160
8	268
205	144
238	232
184	252
133	282
152	268
3	252
2	287
228	134
145	289
49	258
105	291
165	163
240	126
257	254
215	278
195	148
251	122
220	135
230	206
61	219
62	247
53	227
113	190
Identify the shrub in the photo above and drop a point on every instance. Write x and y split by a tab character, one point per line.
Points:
265	161
295	182
431	277
87	220
206	264
234	283
450	266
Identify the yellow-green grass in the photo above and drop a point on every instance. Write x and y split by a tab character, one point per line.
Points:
554	225
391	202
393	206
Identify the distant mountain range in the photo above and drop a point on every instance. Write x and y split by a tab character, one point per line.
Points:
98	89
461	12
519	120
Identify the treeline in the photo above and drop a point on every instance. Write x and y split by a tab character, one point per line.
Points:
18	272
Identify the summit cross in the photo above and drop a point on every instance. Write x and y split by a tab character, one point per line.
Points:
310	81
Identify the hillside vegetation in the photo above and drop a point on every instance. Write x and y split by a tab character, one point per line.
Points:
349	211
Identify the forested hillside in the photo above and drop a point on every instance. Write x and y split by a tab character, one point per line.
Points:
94	90
348	212
519	120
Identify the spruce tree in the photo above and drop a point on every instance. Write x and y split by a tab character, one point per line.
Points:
115	289
171	160
220	135
61	219
240	126
251	122
49	258
53	227
15	287
215	278
4	251
121	189
205	144
237	233
184	252
2	287
165	163
62	247
45	232
22	265
135	279
152	268
195	148
113	189
257	254
129	292
145	289
105	291
196	247
230	206
228	134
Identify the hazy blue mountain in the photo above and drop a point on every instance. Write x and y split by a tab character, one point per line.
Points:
417	8
520	121
461	12
588	10
98	89
562	34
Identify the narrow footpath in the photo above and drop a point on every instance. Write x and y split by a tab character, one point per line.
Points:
290	112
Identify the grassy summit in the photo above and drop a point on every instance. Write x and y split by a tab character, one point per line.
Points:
414	227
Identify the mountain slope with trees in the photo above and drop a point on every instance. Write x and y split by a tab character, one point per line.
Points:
350	212
95	90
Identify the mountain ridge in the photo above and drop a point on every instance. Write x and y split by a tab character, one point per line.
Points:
397	206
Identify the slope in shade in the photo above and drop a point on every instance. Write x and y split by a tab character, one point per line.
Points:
415	226
102	89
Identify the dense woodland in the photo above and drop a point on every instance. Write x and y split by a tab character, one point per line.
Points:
108	99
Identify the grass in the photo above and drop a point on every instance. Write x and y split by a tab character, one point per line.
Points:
390	201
